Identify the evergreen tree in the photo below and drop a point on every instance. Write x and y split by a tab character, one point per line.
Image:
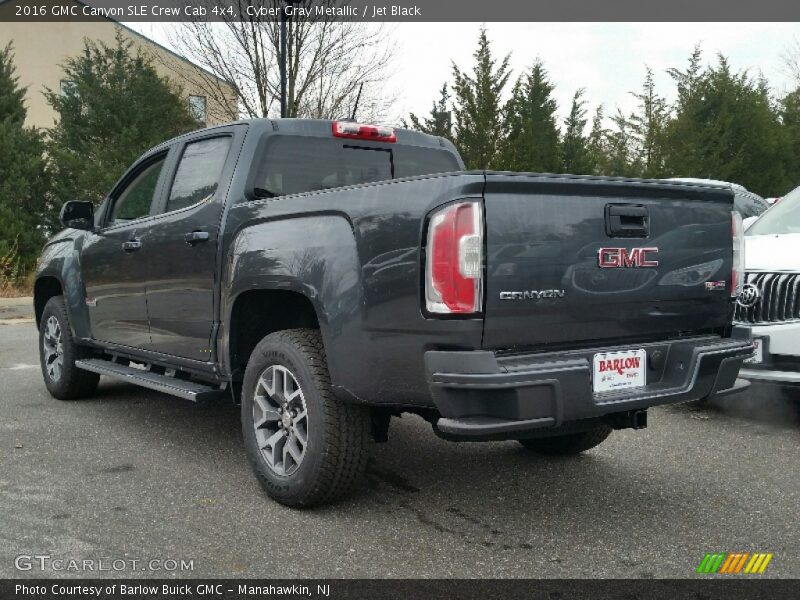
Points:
727	128
597	142
532	143
618	160
647	129
115	108
440	121
479	116
790	116
12	96
688	80
723	125
575	155
22	178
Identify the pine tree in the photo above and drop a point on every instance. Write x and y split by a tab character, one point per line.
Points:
116	107
790	117
479	115
648	130
575	155
440	121
687	81
728	128
12	96
596	144
22	178
619	161
532	143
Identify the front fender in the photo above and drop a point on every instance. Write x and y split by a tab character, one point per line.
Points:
60	260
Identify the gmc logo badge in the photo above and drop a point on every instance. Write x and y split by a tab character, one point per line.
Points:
611	258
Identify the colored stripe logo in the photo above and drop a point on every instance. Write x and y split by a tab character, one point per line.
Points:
732	563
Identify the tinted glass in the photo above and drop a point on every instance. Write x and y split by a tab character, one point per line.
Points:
198	173
411	161
783	217
135	200
295	165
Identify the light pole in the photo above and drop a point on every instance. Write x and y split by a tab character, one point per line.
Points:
284	19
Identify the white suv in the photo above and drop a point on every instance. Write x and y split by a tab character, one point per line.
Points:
770	299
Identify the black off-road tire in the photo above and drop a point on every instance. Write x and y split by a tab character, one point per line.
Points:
72	383
571	443
337	432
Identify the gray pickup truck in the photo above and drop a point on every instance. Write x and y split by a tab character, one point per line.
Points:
331	275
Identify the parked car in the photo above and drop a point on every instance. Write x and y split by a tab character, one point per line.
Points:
330	275
747	203
770	299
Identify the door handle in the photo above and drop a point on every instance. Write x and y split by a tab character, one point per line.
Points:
195	237
627	220
131	245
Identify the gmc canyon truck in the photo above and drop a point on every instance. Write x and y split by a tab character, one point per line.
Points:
329	275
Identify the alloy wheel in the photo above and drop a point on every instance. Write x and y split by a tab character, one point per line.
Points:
53	346
280	420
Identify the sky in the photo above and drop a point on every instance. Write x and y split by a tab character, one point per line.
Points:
608	59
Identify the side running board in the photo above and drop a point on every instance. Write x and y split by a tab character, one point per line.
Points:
190	390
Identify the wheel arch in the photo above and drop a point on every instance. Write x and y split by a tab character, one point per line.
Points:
45	287
291	271
256	313
59	273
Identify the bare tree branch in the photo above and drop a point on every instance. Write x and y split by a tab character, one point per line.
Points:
327	61
791	61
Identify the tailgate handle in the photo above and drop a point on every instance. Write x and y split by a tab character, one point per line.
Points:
627	220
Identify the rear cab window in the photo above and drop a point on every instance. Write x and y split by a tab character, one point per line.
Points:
298	164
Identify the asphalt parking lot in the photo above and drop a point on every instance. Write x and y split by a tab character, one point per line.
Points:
133	474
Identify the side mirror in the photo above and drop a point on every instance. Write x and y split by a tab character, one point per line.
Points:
749	221
78	215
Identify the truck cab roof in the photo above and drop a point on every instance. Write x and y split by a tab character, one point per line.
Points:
323	128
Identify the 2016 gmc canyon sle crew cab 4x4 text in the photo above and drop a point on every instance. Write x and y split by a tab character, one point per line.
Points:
330	275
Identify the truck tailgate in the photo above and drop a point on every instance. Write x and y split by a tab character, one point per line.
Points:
572	259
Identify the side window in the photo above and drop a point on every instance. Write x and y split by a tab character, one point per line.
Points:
198	173
135	200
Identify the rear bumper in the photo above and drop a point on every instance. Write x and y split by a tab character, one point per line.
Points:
482	395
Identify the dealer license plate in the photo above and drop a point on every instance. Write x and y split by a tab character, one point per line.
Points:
615	371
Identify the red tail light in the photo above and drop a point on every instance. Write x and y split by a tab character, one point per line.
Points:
454	266
358	131
737	271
